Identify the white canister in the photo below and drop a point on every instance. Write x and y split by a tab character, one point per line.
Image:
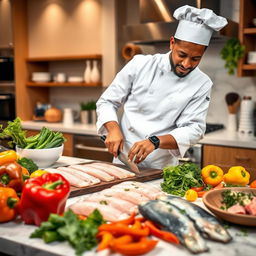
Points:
246	122
68	118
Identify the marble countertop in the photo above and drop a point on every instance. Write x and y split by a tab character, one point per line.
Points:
14	238
221	137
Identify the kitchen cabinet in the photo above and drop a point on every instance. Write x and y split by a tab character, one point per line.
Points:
47	64
68	145
247	36
225	157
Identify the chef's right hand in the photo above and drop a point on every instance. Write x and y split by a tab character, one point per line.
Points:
114	142
115	139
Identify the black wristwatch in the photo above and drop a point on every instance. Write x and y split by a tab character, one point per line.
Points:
155	141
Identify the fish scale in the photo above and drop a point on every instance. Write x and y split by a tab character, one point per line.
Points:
204	221
172	219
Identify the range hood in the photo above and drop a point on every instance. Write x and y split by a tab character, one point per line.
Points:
157	23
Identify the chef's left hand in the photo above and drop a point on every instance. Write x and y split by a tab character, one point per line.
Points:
140	150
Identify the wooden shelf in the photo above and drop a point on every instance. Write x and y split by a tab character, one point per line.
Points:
65	58
249	67
66	84
250	31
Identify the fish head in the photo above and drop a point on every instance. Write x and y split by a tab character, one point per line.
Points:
217	233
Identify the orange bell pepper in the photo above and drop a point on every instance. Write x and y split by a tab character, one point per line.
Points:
8	201
212	175
164	235
143	246
7	156
11	176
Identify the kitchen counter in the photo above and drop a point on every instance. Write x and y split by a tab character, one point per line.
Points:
221	137
229	139
14	238
76	128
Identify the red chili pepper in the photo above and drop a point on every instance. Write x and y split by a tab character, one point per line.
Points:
42	196
122	229
164	235
143	246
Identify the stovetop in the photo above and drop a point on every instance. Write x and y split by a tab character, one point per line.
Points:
210	127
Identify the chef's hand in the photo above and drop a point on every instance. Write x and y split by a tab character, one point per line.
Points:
115	139
140	150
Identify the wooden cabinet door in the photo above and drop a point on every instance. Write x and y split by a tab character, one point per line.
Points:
68	145
225	157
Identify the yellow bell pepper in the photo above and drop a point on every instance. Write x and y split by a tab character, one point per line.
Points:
237	175
37	173
212	175
7	156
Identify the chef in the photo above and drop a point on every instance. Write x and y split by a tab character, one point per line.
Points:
165	97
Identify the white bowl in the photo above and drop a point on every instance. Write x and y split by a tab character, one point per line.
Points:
42	157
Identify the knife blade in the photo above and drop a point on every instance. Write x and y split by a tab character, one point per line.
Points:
124	159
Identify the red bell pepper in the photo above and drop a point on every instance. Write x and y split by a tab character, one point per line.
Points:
42	196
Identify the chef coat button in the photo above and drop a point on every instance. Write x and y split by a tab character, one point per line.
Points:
161	73
131	129
151	92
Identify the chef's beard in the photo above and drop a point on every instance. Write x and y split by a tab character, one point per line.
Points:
179	65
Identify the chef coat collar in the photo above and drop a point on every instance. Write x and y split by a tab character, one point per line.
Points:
165	64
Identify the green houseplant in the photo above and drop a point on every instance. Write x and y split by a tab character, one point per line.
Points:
231	53
88	112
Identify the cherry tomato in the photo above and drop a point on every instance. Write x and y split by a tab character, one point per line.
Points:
197	189
191	195
253	184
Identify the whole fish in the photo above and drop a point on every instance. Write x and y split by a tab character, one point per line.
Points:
205	222
171	219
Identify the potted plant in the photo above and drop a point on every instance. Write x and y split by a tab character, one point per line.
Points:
231	53
88	112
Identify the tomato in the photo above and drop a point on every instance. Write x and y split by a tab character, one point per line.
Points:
253	184
201	193
191	195
197	189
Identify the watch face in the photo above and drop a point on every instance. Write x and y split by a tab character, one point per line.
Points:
155	139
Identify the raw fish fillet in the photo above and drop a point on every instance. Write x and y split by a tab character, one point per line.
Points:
74	181
81	175
125	194
94	172
143	185
141	190
113	169
119	204
85	208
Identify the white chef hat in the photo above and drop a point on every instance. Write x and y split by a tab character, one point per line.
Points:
197	25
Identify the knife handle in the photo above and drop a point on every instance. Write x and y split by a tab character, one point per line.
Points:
103	138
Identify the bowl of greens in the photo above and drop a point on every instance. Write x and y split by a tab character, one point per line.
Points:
42	157
44	148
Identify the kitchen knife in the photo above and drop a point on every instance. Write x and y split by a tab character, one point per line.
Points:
124	159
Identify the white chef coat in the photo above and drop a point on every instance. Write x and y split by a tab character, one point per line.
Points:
156	102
